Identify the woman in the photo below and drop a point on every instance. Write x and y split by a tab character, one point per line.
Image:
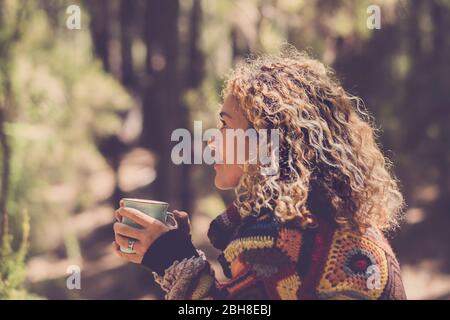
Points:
311	231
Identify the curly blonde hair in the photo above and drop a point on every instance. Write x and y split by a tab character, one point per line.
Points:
326	137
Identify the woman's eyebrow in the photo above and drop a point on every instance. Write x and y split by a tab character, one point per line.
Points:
223	113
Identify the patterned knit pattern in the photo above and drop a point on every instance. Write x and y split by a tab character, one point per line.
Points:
179	275
266	259
356	267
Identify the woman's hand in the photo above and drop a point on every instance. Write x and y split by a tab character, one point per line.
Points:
152	229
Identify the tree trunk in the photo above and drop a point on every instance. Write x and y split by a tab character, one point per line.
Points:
193	76
127	11
6	157
441	52
161	105
239	44
195	70
100	29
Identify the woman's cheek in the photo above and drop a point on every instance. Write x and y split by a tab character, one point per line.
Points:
233	175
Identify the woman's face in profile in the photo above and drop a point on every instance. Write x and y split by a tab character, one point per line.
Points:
231	118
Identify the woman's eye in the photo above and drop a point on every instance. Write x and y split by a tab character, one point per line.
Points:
222	124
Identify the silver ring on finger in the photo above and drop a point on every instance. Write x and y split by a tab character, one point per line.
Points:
131	243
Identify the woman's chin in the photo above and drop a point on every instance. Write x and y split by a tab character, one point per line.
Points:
221	184
227	177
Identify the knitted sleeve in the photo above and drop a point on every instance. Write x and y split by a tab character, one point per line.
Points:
182	271
260	268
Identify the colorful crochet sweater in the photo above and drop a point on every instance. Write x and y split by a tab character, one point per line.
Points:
266	259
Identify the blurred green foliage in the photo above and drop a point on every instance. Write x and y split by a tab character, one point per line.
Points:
63	102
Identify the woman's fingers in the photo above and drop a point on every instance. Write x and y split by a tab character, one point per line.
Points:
117	215
144	237
115	246
126	256
134	215
124	242
128	231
